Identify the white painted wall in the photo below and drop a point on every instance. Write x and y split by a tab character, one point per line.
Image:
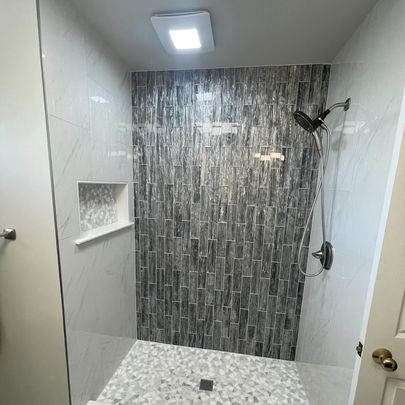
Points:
33	369
89	113
371	70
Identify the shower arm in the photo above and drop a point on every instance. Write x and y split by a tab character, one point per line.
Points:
345	105
321	117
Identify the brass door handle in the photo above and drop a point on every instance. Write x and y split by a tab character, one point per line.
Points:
383	357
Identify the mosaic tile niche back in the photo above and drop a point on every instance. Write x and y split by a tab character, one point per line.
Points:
223	179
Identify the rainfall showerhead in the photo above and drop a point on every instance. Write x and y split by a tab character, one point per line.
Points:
311	125
305	121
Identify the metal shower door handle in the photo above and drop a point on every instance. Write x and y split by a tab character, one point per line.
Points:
8	233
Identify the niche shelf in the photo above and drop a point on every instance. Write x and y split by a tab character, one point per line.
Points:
103	209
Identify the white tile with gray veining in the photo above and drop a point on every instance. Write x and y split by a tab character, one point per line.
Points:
93	357
63	39
89	105
98	285
325	385
371	70
362	148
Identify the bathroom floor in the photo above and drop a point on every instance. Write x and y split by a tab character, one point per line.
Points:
155	373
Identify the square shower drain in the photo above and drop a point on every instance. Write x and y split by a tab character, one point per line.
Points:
206	385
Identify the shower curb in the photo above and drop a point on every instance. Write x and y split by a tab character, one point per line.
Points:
96	403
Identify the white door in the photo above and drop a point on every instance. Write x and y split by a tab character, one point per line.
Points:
386	325
32	348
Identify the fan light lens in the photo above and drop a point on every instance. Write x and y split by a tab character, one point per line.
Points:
185	39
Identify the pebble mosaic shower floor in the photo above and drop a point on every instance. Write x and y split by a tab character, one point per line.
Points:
155	373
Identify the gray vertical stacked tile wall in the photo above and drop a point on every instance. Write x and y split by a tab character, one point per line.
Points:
216	227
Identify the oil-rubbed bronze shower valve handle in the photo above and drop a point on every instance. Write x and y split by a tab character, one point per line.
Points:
383	357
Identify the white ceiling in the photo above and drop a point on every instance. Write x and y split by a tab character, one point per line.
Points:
246	32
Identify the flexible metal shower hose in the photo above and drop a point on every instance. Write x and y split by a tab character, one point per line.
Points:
324	157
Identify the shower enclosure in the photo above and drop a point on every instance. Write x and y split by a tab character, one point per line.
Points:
183	204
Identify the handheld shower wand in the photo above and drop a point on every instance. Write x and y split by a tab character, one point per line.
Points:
325	253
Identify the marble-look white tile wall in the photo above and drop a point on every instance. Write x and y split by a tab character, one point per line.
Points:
371	70
89	113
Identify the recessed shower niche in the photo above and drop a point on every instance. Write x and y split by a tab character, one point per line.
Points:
103	209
